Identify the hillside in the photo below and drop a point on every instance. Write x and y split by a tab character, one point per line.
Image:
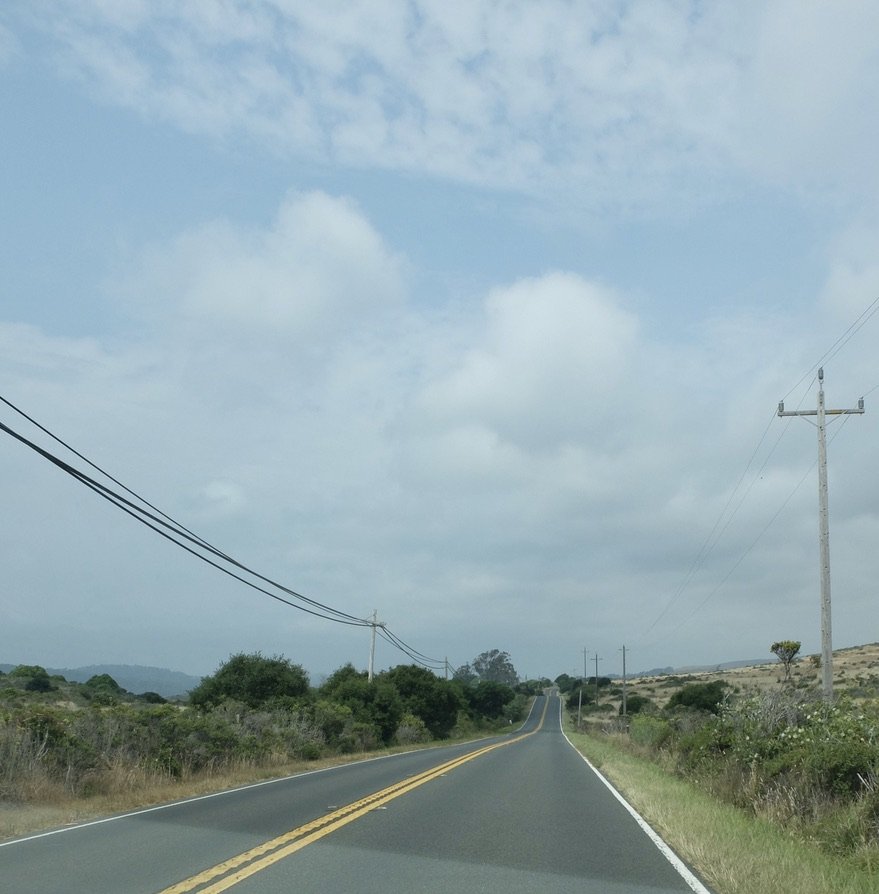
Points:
855	673
134	678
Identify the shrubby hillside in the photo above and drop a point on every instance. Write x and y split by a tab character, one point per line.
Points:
133	677
762	738
60	738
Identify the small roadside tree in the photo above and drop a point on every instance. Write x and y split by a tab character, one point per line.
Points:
488	699
252	679
425	695
786	651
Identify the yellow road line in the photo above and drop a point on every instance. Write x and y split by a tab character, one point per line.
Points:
236	869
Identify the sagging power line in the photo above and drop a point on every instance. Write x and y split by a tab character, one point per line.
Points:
173	531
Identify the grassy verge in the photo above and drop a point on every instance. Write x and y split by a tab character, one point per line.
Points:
54	808
734	853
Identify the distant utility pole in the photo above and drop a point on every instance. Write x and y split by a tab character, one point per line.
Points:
597	659
823	525
624	682
373	624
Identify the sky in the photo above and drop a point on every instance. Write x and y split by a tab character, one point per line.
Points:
475	315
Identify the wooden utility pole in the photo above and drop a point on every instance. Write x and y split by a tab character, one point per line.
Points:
373	624
823	525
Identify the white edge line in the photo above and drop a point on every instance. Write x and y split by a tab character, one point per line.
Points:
682	869
231	791
121	816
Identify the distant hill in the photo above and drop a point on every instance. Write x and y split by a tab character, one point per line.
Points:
135	678
702	668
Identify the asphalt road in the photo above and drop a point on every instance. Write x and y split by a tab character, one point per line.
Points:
517	813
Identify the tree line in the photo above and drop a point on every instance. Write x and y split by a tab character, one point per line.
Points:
58	737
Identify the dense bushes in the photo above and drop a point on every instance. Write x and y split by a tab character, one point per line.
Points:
96	737
786	755
253	680
698	697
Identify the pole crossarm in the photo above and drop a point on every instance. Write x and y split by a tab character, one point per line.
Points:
857	411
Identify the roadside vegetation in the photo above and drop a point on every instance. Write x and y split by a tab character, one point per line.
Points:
760	789
66	745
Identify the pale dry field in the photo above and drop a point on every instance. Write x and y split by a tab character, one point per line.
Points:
854	669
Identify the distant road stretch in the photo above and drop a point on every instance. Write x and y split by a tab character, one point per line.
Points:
516	813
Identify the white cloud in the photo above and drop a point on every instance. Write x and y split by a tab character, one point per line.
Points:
553	352
612	106
321	269
540	447
853	276
808	96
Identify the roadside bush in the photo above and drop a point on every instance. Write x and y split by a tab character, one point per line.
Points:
489	699
573	701
422	693
698	697
252	679
638	704
332	720
650	732
789	757
32	677
359	737
411	730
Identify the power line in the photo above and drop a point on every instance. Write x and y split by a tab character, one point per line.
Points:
171	533
863	318
720	526
414	654
753	543
96	467
167	527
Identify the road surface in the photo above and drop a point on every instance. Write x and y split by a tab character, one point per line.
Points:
515	813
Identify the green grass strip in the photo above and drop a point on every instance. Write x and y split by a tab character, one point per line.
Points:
733	852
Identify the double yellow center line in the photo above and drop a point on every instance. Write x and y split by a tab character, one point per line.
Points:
230	872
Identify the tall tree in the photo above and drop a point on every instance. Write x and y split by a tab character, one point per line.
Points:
495	666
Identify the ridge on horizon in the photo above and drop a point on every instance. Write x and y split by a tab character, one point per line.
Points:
135	678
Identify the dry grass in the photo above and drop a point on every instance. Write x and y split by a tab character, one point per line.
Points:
56	809
854	667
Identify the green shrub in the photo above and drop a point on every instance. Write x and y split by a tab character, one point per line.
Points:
651	732
637	704
32	677
252	679
411	730
699	697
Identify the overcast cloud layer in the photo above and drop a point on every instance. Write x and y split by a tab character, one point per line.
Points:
474	314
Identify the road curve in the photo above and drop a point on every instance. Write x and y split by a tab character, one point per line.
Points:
515	813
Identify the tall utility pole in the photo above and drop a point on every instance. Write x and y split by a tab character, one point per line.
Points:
823	525
596	677
373	624
624	682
